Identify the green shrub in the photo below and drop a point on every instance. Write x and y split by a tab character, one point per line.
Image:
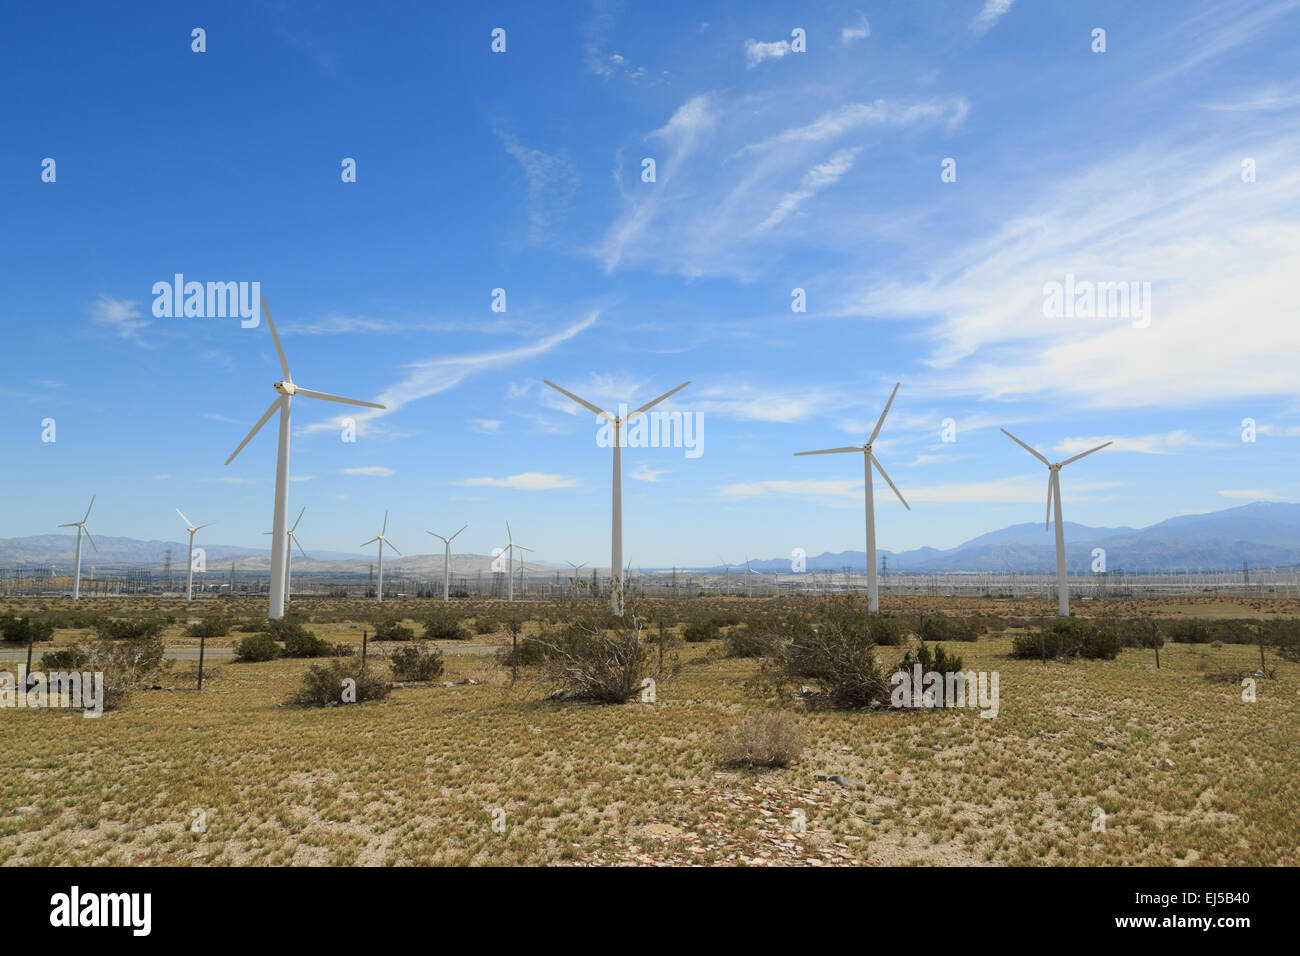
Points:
938	661
528	653
417	662
833	648
21	630
213	626
324	685
483	624
257	647
117	629
1189	632
443	628
300	642
392	629
700	631
1067	639
938	627
747	640
73	658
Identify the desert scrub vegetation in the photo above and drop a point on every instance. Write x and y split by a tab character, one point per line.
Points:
595	656
416	662
127	664
257	647
832	646
444	627
131	629
339	682
22	630
392	629
213	625
1067	639
937	661
761	739
941	627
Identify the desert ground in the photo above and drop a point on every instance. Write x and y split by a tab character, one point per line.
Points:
483	767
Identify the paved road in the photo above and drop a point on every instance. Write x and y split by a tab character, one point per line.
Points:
225	653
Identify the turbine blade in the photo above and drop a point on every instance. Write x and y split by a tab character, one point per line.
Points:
294	538
1025	447
284	363
384	530
581	401
875	461
296	520
649	405
829	451
88	507
391	545
1050	486
202	526
1085	454
260	422
71	524
872	439
371	541
92	540
188	522
327	397
438	536
462	528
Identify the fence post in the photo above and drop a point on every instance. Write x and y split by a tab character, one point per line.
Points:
364	635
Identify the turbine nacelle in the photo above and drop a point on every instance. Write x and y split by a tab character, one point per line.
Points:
285	388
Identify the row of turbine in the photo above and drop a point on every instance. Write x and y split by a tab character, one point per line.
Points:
280	538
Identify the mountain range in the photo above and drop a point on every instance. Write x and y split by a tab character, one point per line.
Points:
1262	534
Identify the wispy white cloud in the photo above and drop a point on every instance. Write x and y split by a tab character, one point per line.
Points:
438	374
485	425
1252	494
121	316
644	472
989	15
756	51
853	32
552	182
1165	443
814	181
1014	490
528	481
375	471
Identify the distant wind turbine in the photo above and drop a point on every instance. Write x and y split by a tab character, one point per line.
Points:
288	558
80	526
379	591
616	523
189	574
511	548
446	562
1054	494
279	535
869	459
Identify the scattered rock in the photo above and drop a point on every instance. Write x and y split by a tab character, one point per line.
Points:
846	782
935	747
1165	764
23	811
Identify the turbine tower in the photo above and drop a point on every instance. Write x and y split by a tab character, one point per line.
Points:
280	521
80	526
288	555
446	562
616	533
1054	494
511	548
869	459
189	573
379	591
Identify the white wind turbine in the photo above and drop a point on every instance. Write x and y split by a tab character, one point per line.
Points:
869	459
80	526
279	536
1054	494
616	531
288	555
189	574
446	562
511	548
379	592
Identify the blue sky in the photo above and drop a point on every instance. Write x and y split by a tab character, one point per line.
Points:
776	169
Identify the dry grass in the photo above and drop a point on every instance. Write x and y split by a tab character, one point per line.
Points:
421	778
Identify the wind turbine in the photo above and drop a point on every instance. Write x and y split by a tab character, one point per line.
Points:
1013	577
576	568
189	574
446	562
1054	494
379	591
616	523
511	548
288	557
279	536
869	459
80	526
